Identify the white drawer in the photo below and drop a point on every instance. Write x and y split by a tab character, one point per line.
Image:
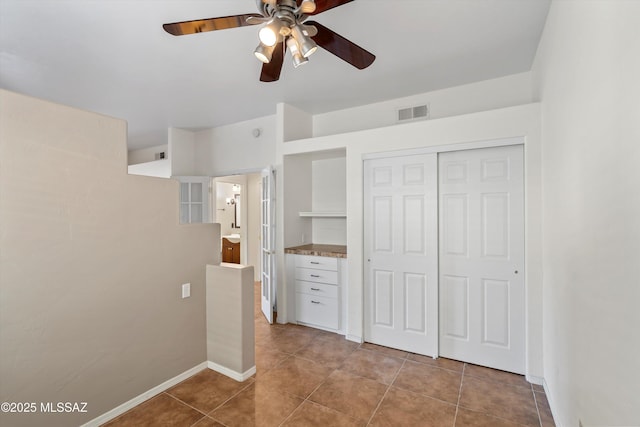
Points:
319	289
319	262
317	310
318	276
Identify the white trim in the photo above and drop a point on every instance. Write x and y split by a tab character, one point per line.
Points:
552	406
534	380
445	148
323	214
240	377
121	409
354	338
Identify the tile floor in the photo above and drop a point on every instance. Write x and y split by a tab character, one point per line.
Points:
307	377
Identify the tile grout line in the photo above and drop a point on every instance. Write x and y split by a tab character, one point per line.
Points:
183	402
455	417
373	414
306	399
231	397
535	399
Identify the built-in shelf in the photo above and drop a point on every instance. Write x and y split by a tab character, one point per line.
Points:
324	214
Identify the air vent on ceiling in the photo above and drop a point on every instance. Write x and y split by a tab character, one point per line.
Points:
413	113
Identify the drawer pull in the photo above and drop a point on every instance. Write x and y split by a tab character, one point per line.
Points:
315	302
314	262
315	289
314	275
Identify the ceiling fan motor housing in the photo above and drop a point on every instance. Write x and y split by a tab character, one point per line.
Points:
285	10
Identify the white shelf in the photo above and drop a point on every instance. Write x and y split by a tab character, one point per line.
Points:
323	214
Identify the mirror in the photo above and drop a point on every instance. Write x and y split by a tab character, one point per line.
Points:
237	210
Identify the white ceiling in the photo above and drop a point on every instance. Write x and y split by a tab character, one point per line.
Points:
113	57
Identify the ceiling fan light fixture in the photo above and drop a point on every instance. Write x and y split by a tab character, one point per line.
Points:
298	59
270	33
305	43
308	6
264	52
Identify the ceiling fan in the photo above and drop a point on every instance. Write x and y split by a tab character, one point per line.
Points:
285	26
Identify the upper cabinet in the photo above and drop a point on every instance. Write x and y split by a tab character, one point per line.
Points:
194	199
315	198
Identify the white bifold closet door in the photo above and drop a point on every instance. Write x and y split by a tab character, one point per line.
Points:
401	250
481	256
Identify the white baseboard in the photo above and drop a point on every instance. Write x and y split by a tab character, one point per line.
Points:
240	377
534	380
119	410
354	338
552	404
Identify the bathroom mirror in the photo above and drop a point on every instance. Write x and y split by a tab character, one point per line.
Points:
236	206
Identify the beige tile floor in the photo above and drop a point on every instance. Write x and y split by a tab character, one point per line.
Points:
307	377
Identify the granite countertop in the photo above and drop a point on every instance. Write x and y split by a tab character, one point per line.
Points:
334	251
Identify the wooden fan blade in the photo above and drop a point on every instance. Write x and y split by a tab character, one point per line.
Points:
211	24
341	47
324	5
271	71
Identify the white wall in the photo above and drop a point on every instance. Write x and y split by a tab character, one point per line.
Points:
295	188
329	194
182	153
231	149
495	124
225	214
587	76
157	168
481	96
148	154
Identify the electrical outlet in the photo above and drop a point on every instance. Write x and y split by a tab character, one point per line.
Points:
186	290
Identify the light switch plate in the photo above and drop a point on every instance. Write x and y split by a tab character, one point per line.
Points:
186	290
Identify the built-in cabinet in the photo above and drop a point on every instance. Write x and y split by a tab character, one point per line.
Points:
319	284
315	204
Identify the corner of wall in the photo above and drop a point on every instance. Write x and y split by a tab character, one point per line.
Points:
182	152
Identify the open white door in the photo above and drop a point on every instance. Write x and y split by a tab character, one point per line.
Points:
268	242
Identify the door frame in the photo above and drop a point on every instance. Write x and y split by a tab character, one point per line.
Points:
472	145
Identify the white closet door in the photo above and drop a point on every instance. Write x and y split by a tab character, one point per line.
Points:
401	272
481	207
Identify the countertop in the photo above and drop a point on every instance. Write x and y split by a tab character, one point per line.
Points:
334	251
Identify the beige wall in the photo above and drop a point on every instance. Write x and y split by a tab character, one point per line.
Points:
587	76
91	263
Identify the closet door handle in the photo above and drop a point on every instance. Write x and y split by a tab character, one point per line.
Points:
314	275
315	302
314	262
315	289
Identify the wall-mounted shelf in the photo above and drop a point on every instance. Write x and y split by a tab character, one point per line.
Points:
323	214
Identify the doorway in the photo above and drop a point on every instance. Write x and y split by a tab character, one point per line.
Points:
235	205
458	291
